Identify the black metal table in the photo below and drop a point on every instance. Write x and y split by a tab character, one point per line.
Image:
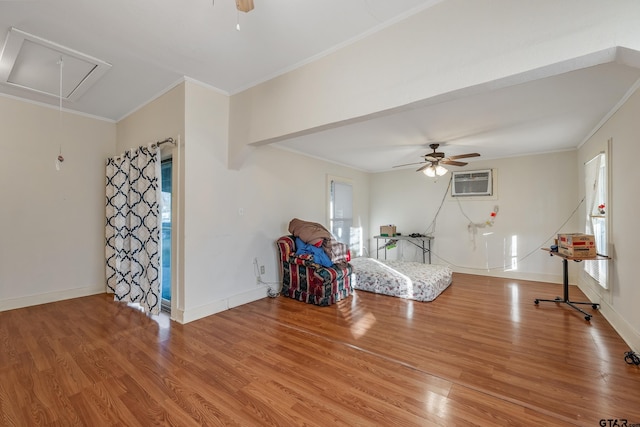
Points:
565	283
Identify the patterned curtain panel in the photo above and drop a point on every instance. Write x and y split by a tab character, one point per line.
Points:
133	227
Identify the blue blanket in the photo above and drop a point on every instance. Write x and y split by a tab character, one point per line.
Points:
319	255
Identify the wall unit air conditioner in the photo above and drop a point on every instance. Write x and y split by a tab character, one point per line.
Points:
472	183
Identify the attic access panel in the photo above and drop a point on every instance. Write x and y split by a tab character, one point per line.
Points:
32	63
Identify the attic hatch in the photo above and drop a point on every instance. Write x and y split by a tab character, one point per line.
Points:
30	62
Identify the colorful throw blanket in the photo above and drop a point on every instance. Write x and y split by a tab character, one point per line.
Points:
316	235
319	255
337	251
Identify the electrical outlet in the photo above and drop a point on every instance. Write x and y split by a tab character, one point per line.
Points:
262	269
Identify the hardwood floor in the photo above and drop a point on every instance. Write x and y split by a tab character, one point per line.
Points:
480	354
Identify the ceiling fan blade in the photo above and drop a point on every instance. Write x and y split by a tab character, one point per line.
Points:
244	5
453	162
435	158
464	156
407	164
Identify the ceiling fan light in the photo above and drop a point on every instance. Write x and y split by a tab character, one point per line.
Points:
430	171
440	170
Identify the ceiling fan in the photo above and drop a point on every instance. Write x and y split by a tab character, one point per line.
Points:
244	5
241	5
433	162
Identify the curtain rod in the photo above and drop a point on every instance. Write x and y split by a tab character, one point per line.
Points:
169	140
157	144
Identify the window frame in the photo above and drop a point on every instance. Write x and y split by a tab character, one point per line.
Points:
355	241
597	220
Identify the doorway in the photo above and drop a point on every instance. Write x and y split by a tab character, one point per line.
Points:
165	257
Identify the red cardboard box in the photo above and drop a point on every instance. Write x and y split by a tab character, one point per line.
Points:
577	245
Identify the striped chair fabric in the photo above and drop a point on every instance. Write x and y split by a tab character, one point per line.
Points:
306	281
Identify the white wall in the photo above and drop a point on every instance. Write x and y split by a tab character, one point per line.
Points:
535	196
619	303
52	222
159	119
235	216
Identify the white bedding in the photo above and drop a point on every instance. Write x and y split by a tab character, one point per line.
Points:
411	280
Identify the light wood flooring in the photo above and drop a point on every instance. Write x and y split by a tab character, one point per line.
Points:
481	354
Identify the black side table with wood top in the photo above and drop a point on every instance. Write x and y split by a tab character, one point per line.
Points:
565	283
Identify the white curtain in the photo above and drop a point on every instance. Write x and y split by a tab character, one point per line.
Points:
591	177
596	223
133	227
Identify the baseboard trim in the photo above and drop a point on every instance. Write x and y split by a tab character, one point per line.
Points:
189	315
617	322
45	298
516	275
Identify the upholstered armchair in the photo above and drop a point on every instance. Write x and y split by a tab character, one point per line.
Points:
307	281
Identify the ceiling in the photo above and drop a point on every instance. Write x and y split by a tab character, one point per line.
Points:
540	116
150	45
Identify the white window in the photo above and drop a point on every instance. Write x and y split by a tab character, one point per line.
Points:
597	206
341	222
